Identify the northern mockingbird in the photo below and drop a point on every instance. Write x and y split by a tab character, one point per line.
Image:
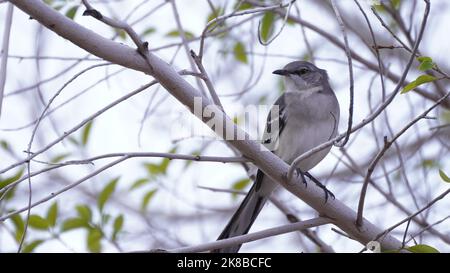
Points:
308	116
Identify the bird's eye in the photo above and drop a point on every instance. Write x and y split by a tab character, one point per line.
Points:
302	71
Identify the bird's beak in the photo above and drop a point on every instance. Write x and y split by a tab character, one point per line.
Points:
282	72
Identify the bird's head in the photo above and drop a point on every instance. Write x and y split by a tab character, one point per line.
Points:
302	76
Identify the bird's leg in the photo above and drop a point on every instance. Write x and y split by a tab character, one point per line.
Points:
320	185
302	174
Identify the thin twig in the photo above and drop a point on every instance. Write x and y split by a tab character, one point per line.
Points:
350	71
266	43
387	145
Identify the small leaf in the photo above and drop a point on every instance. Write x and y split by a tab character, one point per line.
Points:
239	52
148	31
243	6
59	158
444	176
74	223
19	225
396	3
31	246
5	182
94	237
84	212
175	33
72	12
37	222
157	169
85	133
267	23
214	14
424	59
117	226
9	180
379	8
5	145
240	184
106	193
121	33
52	214
147	197
426	63
419	81
138	183
422	249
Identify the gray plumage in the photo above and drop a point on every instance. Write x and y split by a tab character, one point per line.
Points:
308	116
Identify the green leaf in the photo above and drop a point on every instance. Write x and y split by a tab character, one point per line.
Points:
121	33
106	193
157	169
84	212
19	225
422	249
74	223
148	31
58	7
424	59
147	197
5	182
243	6
240	184
214	14
239	52
379	8
117	226
9	180
5	145
445	116
72	12
52	214
31	246
94	237
175	33
419	81
396	3
59	158
426	63
85	133
138	183
444	176
267	23
37	222
429	163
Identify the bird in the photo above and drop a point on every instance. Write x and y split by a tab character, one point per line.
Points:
307	116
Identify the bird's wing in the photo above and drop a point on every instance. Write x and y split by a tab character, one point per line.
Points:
276	121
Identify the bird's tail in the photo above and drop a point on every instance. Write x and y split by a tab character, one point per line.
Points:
247	212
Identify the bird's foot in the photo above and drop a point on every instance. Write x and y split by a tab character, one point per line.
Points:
302	175
320	185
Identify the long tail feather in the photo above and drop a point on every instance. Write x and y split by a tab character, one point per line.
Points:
247	212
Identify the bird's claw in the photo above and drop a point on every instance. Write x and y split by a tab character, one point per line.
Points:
320	185
300	173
